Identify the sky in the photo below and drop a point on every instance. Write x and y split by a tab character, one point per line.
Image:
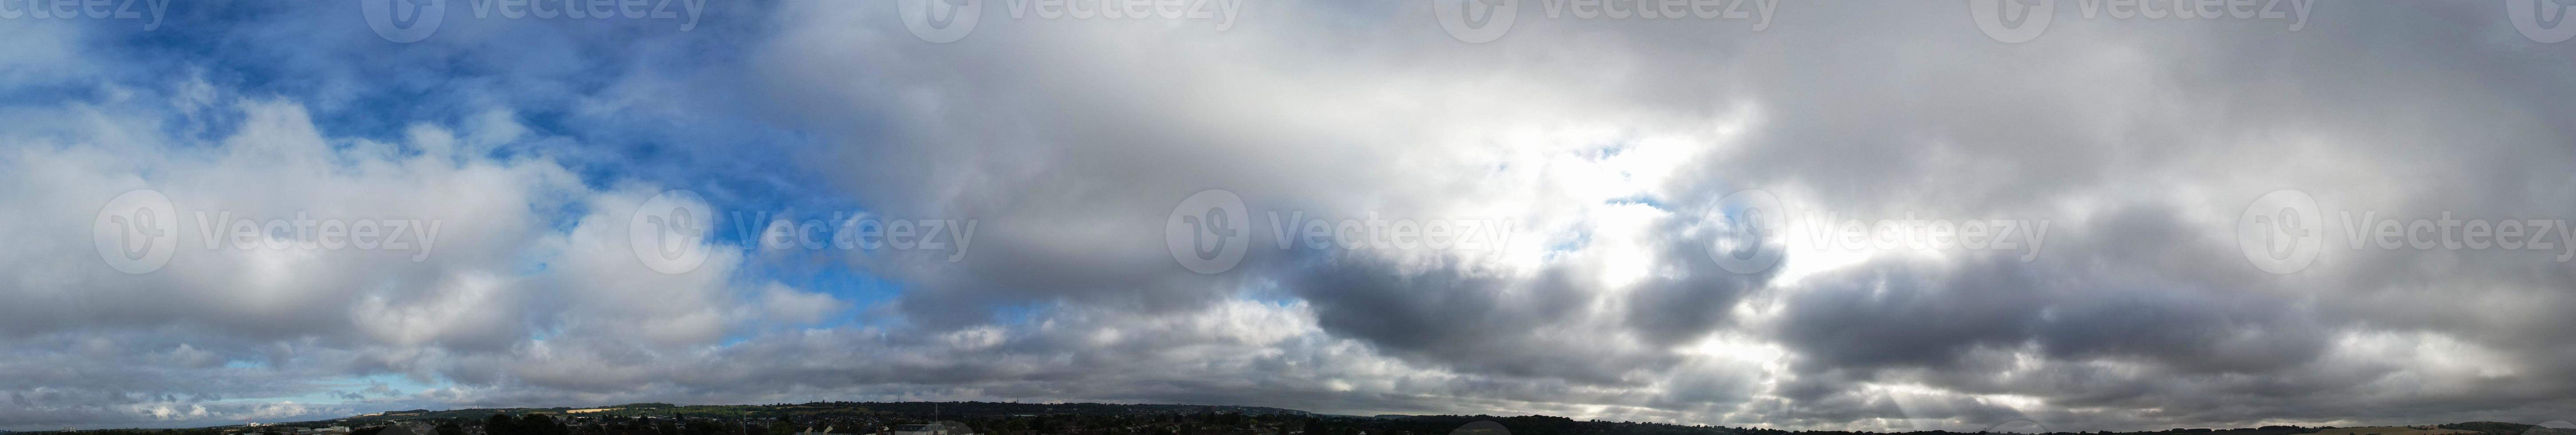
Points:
1903	215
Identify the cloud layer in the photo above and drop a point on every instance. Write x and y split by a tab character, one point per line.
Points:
1601	153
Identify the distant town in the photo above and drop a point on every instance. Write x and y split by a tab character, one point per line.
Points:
992	418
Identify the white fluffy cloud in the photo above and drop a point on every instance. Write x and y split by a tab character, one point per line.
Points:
516	271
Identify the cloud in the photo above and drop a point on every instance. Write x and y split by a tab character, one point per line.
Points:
1603	147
